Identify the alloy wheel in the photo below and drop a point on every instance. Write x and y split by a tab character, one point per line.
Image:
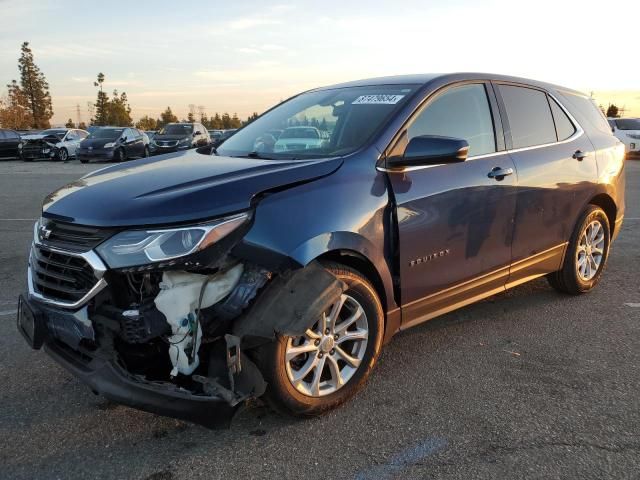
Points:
326	357
590	251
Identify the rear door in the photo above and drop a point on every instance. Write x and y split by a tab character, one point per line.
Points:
454	221
556	169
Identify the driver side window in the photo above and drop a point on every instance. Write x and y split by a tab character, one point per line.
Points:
460	112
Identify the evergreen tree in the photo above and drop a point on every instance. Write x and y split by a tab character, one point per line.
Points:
102	104
235	121
166	117
82	126
35	89
119	111
612	111
70	124
226	120
216	122
251	118
191	117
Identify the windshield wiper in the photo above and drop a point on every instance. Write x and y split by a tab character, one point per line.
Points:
257	155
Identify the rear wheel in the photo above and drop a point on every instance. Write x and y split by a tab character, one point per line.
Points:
586	254
315	372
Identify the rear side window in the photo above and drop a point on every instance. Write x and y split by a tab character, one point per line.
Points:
564	127
460	112
529	116
586	109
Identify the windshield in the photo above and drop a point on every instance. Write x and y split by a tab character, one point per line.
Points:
322	123
628	124
107	133
176	130
58	133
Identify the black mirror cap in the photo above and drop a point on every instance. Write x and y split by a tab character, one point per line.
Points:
431	150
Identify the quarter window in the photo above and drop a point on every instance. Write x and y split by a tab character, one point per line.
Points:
529	116
564	127
460	112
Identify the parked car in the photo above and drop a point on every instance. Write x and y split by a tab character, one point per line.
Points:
627	130
224	135
10	143
179	136
53	143
114	144
150	134
301	138
188	285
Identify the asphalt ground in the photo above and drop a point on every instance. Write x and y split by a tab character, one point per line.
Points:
527	384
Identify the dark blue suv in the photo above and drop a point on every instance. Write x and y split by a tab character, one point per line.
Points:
188	283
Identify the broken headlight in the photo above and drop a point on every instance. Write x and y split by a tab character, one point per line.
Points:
140	247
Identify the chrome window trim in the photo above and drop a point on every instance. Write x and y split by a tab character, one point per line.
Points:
577	134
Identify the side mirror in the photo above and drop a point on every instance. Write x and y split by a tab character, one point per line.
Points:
431	150
123	139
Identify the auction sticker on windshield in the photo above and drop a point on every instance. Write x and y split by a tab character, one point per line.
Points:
377	99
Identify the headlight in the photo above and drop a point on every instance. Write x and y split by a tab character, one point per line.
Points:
109	145
141	247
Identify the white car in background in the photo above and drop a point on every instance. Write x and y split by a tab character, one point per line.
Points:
54	143
627	130
301	138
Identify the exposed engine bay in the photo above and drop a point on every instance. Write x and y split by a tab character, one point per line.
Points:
190	331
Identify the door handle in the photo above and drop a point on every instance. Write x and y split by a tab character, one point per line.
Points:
499	173
579	155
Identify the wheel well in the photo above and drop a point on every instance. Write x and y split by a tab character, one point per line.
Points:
606	203
360	263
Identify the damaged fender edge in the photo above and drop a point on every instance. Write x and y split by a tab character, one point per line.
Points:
289	304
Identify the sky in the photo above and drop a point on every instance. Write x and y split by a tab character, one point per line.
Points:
245	55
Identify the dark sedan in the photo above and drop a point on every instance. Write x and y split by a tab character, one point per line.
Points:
10	144
113	144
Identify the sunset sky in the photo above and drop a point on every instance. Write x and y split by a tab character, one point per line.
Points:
244	56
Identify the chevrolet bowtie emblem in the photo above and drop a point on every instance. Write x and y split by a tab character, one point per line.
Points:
44	233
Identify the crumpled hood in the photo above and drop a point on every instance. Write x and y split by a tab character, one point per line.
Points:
39	136
176	188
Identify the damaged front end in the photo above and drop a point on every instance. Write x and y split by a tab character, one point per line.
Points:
162	319
42	148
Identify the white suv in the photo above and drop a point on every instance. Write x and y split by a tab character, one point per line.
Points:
627	130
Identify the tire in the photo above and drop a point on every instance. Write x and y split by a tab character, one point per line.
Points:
145	154
120	155
576	276
286	398
63	155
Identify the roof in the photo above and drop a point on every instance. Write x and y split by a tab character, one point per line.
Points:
426	78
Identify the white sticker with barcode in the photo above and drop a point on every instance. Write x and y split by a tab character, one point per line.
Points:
380	99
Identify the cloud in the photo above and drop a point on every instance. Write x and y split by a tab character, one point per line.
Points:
247	23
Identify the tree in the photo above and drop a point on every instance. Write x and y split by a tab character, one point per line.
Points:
147	123
70	124
35	89
166	117
216	122
251	118
82	126
119	111
612	111
13	108
101	107
235	121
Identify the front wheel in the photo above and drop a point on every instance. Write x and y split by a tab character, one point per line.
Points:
586	254
315	372
119	155
63	155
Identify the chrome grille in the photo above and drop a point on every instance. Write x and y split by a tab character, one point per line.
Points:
59	276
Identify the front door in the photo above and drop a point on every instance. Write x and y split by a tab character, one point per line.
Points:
455	220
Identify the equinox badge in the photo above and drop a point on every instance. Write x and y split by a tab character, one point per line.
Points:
428	258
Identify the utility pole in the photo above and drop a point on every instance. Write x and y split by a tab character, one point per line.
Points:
78	115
